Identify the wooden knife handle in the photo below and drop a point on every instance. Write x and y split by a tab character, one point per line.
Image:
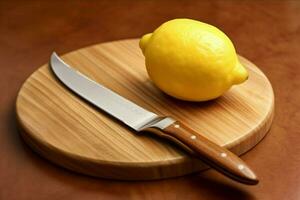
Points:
212	154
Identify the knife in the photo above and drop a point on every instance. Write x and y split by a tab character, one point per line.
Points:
142	120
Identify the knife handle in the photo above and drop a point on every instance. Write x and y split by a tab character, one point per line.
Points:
210	153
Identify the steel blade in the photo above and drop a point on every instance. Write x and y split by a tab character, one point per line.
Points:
126	111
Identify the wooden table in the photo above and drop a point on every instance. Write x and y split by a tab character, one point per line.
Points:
267	33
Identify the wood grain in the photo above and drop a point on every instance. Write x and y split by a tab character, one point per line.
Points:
72	133
210	153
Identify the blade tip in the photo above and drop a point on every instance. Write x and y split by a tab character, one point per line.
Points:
54	54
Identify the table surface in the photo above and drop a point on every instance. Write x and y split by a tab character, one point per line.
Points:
266	32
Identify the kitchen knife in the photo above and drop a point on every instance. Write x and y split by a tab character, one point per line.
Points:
142	120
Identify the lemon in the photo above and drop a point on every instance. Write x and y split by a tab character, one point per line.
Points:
191	60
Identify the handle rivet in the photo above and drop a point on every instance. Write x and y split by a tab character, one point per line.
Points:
241	167
176	125
223	155
193	137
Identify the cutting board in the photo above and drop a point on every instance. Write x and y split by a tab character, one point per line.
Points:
70	132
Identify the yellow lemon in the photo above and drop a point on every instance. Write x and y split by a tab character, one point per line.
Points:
191	60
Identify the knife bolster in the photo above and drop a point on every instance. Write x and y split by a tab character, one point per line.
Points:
160	123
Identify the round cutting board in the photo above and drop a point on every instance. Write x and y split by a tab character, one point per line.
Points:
70	132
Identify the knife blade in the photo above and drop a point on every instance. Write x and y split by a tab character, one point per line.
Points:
142	120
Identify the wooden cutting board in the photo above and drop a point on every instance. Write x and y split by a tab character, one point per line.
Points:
65	129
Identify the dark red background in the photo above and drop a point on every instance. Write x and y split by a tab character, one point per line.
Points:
266	32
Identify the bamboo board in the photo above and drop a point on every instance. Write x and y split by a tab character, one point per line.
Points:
68	131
